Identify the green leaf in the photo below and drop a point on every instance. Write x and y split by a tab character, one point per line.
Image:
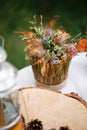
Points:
59	48
31	22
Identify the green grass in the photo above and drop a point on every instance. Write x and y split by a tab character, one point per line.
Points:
15	16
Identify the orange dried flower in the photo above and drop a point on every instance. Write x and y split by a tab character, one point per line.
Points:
82	45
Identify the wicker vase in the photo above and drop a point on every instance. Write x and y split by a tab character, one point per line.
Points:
52	75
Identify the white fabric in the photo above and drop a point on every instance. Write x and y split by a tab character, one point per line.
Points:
77	76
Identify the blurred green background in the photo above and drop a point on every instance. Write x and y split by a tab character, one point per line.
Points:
15	16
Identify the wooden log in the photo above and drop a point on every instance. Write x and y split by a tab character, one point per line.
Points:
53	109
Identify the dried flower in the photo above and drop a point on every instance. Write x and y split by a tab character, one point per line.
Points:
43	39
82	45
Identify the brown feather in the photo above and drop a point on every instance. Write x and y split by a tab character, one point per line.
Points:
53	20
26	34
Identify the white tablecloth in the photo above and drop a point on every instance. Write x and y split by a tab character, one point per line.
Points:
77	76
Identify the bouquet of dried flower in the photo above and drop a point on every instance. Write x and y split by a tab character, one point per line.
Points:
49	51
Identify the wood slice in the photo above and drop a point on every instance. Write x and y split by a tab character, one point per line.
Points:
53	109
